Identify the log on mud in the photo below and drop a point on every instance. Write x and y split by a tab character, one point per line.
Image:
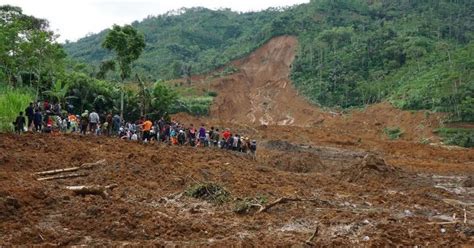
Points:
285	200
71	169
72	175
91	190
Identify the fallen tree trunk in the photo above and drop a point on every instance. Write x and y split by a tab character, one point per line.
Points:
52	172
92	190
63	176
285	200
83	166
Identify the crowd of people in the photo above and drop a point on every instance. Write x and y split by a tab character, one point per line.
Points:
47	118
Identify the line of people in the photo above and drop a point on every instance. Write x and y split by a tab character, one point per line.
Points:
175	133
44	118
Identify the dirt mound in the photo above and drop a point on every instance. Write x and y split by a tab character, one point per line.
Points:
290	157
371	168
299	162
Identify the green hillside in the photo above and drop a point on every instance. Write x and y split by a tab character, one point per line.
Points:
418	54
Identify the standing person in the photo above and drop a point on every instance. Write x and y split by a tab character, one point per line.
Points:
108	127
46	106
253	149
215	137
181	137
20	123
84	122
235	142
173	136
226	135
94	121
72	122
146	127
202	135
38	120
30	113
192	135
116	123
139	125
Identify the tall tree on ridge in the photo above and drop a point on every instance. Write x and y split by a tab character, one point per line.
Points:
128	44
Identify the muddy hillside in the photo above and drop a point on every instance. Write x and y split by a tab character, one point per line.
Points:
261	92
182	196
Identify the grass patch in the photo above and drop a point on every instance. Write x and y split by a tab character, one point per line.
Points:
209	191
457	136
393	133
12	101
193	105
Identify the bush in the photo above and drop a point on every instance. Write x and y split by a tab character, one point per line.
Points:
457	136
393	133
12	101
212	94
209	191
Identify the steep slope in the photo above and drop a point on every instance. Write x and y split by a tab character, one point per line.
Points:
261	92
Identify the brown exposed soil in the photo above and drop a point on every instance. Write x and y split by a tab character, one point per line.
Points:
366	190
370	202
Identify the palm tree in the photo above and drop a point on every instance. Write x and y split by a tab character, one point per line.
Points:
58	91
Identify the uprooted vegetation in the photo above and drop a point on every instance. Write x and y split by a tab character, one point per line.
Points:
208	191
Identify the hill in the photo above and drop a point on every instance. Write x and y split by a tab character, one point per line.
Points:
417	54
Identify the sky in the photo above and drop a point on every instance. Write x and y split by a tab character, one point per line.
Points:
74	19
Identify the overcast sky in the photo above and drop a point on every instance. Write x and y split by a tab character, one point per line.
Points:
73	19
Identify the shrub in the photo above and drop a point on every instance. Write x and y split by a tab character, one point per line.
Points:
212	94
393	132
209	191
457	136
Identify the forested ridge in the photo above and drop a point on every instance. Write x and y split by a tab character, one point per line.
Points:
418	54
415	54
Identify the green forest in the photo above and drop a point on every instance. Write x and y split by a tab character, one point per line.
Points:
415	54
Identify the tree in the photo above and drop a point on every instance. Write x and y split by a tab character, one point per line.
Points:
59	91
27	47
127	44
163	98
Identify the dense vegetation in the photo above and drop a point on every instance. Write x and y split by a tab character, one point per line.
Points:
33	66
418	54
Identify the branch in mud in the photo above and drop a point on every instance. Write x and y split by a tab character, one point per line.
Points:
92	190
71	169
310	240
285	200
72	175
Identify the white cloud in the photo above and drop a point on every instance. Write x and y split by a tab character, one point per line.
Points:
73	19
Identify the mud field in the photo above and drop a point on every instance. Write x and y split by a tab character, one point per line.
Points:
350	197
321	178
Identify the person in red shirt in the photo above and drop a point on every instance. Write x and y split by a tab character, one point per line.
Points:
226	136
